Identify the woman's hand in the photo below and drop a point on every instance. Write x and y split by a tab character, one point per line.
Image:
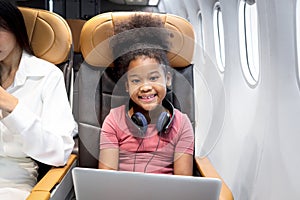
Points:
7	102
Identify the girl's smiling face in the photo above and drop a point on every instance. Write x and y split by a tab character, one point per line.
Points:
146	82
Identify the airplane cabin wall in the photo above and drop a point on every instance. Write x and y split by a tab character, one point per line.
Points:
258	150
278	174
250	133
209	91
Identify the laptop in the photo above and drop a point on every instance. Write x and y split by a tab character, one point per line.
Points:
99	184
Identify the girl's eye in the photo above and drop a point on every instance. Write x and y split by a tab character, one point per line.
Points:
154	78
135	81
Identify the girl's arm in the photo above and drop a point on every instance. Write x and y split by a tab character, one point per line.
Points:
183	164
109	159
183	155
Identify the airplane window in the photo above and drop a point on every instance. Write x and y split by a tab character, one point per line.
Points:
153	2
219	37
248	37
51	5
201	39
298	36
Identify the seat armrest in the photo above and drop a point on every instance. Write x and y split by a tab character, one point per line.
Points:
39	195
207	170
42	190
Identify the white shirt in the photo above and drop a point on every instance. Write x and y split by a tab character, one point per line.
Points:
40	127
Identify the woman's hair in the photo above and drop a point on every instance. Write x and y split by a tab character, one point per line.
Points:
11	19
142	35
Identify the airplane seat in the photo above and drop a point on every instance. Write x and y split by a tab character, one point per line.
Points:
51	40
96	89
76	26
96	82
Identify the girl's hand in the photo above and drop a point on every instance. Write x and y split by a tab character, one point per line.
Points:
7	101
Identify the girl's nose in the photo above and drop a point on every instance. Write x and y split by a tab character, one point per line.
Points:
145	87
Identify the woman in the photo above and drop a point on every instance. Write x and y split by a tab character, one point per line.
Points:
36	121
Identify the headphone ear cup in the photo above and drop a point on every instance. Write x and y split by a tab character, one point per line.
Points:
140	120
163	121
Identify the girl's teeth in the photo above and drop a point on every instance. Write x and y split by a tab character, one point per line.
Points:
148	97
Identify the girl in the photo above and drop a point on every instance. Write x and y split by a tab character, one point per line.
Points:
148	135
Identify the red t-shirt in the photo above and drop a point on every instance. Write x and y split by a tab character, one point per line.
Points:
152	153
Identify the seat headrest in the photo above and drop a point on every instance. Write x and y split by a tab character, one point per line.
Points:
49	34
96	32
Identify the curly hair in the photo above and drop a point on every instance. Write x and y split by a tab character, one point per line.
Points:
141	35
